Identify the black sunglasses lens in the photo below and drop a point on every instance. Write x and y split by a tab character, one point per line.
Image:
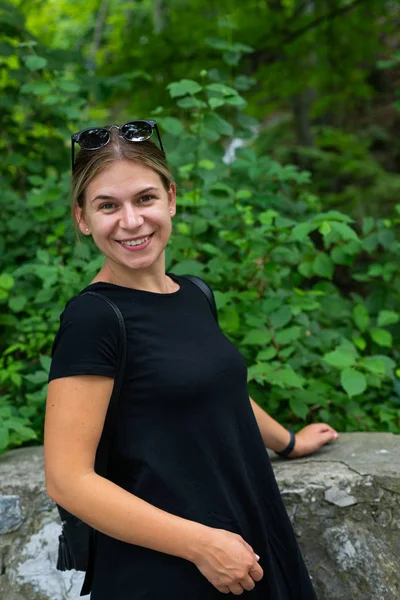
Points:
136	131
93	139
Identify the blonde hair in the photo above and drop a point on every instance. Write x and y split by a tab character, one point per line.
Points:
90	163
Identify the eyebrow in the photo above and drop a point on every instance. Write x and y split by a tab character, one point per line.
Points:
143	191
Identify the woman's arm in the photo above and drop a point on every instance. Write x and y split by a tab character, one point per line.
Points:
308	440
70	443
75	414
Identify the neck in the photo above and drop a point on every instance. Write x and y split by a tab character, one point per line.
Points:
150	280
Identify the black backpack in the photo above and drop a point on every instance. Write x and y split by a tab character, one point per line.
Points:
77	540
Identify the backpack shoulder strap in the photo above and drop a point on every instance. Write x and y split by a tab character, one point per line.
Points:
207	291
103	449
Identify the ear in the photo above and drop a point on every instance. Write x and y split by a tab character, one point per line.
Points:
172	199
80	220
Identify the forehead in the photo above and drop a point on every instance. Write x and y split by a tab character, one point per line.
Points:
123	177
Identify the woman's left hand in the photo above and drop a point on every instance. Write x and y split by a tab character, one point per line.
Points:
311	438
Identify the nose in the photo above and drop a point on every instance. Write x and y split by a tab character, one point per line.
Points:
131	217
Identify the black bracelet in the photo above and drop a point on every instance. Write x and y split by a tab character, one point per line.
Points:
285	453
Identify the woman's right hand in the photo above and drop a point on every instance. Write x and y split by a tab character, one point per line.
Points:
228	562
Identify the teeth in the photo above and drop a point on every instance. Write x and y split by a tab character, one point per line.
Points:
136	242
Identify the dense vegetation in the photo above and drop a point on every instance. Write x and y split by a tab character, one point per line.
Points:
298	234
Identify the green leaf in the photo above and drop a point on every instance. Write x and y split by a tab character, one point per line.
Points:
172	125
34	63
44	296
26	433
370	242
17	303
243	194
45	361
68	86
345	232
325	228
389	363
221	88
267	216
386	238
306	269
340	359
361	317
36	180
298	407
281	317
381	337
300	232
258	337
183	87
288	335
236	101
209	165
374	365
38	377
222	299
287	351
323	266
258	372
51	100
375	270
271	305
6	281
188	266
285	378
267	354
387	317
360	342
229	319
216	102
353	382
214	121
191	102
338	256
38	88
4	437
368	225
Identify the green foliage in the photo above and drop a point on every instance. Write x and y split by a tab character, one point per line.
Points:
304	268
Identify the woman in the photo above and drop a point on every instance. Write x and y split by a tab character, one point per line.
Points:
191	508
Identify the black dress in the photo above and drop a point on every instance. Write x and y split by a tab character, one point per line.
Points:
186	440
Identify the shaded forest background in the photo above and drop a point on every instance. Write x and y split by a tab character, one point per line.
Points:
281	122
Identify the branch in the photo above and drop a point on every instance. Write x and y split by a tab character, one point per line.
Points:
327	17
273	53
98	31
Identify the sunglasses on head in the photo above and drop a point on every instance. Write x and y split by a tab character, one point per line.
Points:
95	138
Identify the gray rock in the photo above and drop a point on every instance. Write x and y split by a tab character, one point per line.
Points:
36	567
335	495
11	515
344	503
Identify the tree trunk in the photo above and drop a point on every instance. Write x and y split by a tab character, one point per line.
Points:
98	32
301	104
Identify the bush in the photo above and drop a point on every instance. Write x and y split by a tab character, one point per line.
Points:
310	299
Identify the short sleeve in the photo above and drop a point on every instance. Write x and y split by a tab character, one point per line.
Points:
87	340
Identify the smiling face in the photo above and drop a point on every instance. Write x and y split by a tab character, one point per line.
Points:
128	212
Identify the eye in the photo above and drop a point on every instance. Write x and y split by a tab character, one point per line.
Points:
146	198
107	206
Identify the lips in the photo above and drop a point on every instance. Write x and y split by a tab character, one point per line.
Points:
140	243
136	239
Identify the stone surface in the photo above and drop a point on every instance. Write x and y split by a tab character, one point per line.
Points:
344	503
11	515
28	556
